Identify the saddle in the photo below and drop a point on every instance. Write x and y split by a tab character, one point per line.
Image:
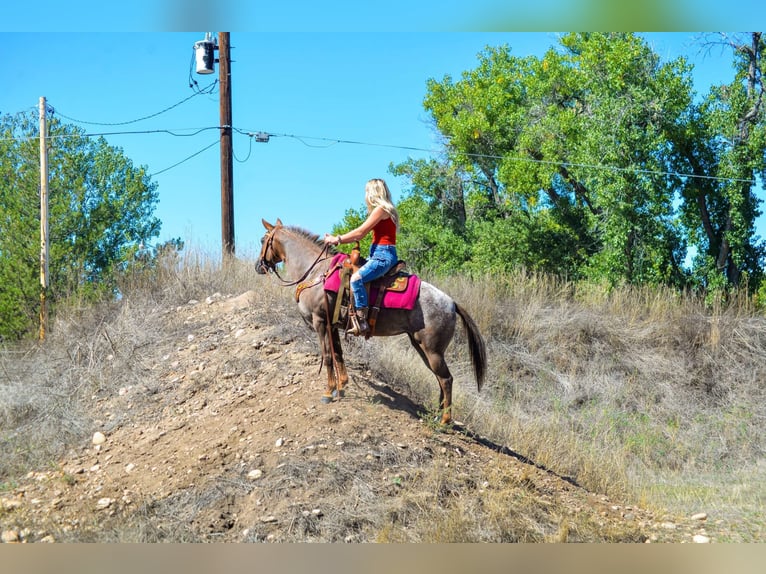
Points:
394	280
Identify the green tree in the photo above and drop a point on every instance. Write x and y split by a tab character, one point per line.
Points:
723	143
565	158
433	234
100	214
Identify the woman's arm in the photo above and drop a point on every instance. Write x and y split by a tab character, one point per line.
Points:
377	214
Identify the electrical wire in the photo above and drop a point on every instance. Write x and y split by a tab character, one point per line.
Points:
332	142
185	159
249	151
172	132
329	142
54	111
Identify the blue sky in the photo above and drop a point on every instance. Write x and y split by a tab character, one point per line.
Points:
310	88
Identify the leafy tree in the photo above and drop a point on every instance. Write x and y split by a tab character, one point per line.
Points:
100	214
532	137
433	216
723	142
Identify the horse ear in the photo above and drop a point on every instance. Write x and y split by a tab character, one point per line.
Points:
279	222
268	225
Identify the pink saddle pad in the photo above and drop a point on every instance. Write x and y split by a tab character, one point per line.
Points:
391	299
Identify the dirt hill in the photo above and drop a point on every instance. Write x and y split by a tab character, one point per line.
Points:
229	442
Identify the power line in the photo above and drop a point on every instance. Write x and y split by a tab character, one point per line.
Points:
207	89
329	142
172	132
332	141
216	142
249	151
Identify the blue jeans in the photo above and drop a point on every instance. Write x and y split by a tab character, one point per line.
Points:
382	258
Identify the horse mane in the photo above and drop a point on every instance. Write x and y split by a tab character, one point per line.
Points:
307	235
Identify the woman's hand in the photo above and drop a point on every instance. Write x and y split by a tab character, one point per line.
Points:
331	239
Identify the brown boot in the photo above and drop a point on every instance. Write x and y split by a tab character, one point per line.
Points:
359	324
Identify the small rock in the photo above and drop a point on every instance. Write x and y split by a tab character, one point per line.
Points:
98	438
668	526
268	519
9	503
317	512
130	467
47	539
255	474
9	536
104	503
280	442
239	333
699	516
701	539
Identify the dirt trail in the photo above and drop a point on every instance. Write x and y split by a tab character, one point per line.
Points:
231	443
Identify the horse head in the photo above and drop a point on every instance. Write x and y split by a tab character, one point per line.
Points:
272	252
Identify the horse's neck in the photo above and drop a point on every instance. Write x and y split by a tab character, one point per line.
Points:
300	254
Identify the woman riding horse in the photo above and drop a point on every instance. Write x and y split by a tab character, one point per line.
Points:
383	221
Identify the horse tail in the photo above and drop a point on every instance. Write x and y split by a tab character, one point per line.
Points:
476	346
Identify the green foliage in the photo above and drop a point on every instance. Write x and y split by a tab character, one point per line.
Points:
724	136
352	219
571	164
100	216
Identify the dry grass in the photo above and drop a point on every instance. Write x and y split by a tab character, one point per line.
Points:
645	394
618	388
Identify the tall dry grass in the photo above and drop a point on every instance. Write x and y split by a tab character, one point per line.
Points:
637	392
640	393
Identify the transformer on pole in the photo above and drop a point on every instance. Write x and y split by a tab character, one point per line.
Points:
204	55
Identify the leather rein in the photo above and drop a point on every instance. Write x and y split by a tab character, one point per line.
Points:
273	267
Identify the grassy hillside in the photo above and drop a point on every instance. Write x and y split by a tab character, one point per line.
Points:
645	395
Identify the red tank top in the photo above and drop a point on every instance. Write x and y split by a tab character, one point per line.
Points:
384	232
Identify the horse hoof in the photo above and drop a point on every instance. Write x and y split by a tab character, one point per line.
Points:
338	394
327	399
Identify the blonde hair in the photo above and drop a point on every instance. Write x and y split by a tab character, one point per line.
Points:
377	194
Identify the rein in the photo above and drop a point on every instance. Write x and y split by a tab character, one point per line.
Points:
272	267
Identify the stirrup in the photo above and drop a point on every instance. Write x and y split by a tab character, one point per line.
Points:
359	324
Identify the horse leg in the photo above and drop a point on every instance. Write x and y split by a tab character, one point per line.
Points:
320	326
339	363
434	360
332	358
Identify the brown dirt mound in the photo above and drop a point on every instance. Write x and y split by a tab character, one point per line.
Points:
231	443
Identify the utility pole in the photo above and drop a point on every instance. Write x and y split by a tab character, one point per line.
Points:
43	219
227	165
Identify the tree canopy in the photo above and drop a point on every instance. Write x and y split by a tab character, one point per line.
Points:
594	161
100	217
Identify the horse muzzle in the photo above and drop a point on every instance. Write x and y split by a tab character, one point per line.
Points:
261	268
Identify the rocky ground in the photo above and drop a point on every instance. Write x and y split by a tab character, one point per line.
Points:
231	443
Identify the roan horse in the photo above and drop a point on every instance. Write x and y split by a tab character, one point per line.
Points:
430	325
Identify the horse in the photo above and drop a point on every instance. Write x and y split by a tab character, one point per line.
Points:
430	325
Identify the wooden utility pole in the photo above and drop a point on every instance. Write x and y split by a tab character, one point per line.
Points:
227	165
43	219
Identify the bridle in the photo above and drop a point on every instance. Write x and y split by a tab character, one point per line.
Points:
271	266
263	265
